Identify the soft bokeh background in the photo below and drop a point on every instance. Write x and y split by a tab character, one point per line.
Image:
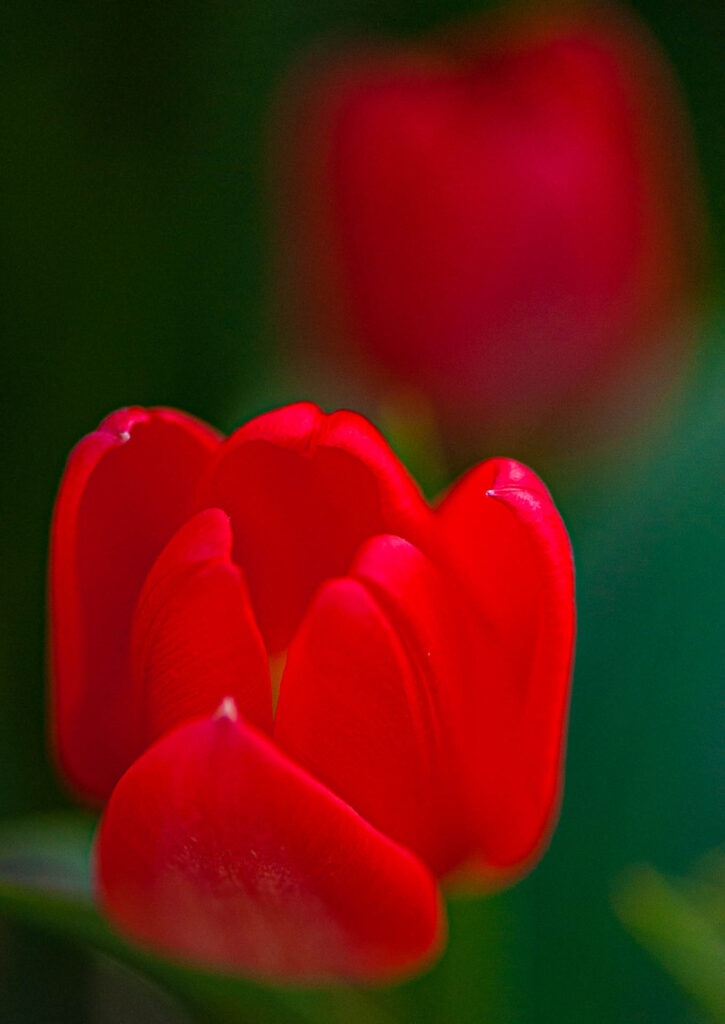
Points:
136	250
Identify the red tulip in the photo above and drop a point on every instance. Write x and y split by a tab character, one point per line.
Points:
504	219
304	695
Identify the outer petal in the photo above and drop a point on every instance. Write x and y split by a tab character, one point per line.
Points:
216	848
304	490
194	640
126	489
508	545
369	696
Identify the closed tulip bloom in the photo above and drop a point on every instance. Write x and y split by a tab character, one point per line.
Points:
304	697
504	218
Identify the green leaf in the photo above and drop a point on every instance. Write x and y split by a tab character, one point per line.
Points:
681	927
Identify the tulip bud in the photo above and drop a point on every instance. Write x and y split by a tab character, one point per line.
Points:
305	697
504	219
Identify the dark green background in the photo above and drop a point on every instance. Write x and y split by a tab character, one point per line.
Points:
135	256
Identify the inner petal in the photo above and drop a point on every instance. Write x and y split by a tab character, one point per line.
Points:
303	491
194	639
361	708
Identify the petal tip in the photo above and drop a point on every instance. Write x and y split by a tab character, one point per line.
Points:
227	711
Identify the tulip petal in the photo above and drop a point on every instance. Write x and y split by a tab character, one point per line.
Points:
194	639
216	848
509	547
368	699
126	489
303	491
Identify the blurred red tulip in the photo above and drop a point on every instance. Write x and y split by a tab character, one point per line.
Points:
505	219
421	659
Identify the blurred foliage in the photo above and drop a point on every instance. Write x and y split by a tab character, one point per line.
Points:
682	924
134	257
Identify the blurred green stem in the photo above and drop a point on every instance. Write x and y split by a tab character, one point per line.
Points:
679	934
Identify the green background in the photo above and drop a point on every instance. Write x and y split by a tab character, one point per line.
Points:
135	256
